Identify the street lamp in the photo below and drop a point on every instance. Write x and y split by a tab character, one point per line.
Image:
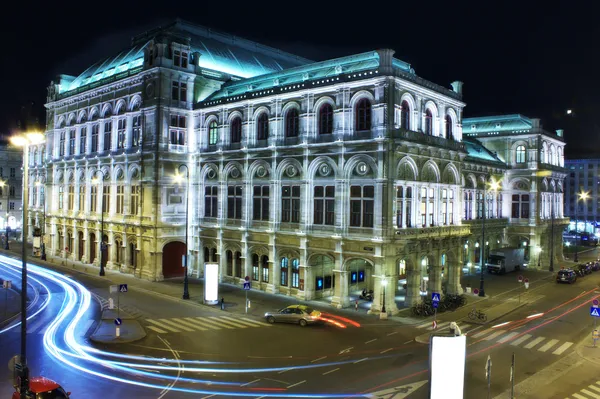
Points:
494	186
179	178
583	195
102	243
43	255
384	283
539	254
3	184
24	140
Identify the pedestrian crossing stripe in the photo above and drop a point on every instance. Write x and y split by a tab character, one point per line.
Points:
193	324
587	393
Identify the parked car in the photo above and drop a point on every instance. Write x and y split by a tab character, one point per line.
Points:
296	314
595	266
584	269
44	388
566	276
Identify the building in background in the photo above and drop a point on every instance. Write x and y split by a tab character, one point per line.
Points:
11	186
584	176
315	179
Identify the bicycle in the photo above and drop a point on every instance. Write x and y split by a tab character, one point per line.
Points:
477	315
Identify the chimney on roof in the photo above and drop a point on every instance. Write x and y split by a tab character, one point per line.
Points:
457	86
535	123
385	61
560	132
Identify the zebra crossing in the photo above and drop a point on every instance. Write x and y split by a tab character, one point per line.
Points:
591	392
528	341
208	323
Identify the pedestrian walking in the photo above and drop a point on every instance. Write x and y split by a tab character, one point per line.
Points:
222	303
356	305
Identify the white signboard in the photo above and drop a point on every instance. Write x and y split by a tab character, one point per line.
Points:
37	242
211	283
447	365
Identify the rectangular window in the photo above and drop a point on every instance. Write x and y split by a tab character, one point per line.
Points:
180	58
60	197
93	198
13	173
260	203
34	201
71	197
524	206
211	201
95	130
255	267
136	133
179	91
121	128
324	205
107	135
290	204
135	200
61	144
265	272
444	212
515	206
295	273
177	130
11	191
72	142
82	140
105	199
81	198
11	206
120	199
284	272
234	202
362	206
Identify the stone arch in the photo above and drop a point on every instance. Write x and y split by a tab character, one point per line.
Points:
209	171
135	103
209	119
408	97
430	172
284	165
93	114
315	168
118	173
435	114
450	174
81	175
229	170
352	163
260	110
322	265
257	167
545	184
233	114
134	172
325	99
106	110
520	183
359	95
60	122
553	159
120	107
287	253
231	246
259	250
71	119
545	154
82	116
407	169
360	274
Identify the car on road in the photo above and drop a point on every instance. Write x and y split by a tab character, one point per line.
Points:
296	314
566	276
43	388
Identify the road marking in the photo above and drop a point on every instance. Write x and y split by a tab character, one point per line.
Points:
316	360
251	382
296	384
392	333
424	325
387	350
373	340
590	393
563	348
156	329
172	323
361	360
162	325
548	345
256	322
534	342
507	337
520	340
482	333
245	323
201	322
578	396
347	350
494	335
213	322
283	371
595	388
330	371
209	396
440	326
231	323
188	324
407	342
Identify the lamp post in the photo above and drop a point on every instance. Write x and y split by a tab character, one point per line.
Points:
494	185
583	195
102	243
24	140
3	184
539	254
42	245
383	311
178	178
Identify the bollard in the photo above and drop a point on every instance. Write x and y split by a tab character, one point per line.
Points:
249	304
356	305
118	332
111	303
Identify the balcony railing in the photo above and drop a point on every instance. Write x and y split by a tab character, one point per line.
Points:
419	137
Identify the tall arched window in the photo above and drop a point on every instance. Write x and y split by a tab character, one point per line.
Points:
543	155
236	130
213	133
262	128
292	123
449	132
363	115
520	154
326	119
284	271
428	128
405	115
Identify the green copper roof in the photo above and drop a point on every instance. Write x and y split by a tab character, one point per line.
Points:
487	125
477	151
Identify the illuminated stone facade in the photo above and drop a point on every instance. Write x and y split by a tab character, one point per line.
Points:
315	179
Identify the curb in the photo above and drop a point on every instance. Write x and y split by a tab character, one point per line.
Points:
117	340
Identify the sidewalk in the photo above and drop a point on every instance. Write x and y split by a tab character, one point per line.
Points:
129	331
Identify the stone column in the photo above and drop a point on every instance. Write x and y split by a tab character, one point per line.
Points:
435	278
86	244
413	277
454	270
340	296
275	271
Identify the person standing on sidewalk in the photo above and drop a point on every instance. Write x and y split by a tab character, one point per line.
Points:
222	303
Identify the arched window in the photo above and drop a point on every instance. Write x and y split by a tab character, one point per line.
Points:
295	273
262	128
236	130
449	133
543	155
363	115
213	133
284	271
292	123
405	115
428	128
326	119
520	154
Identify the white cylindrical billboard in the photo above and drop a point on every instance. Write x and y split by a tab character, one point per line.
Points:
447	359
211	283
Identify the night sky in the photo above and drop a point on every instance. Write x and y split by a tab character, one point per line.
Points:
512	57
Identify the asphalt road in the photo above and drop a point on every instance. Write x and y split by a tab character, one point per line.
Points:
219	354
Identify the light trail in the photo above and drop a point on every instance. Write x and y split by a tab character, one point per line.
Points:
67	350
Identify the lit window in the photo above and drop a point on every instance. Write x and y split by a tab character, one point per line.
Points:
520	154
362	206
405	115
213	133
177	130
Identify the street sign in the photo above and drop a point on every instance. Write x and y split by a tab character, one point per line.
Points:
7	284
475	291
526	281
122	287
118	321
435	297
594	312
246	285
520	279
114	289
595	303
435	304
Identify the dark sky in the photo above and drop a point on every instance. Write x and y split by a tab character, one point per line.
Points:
514	57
